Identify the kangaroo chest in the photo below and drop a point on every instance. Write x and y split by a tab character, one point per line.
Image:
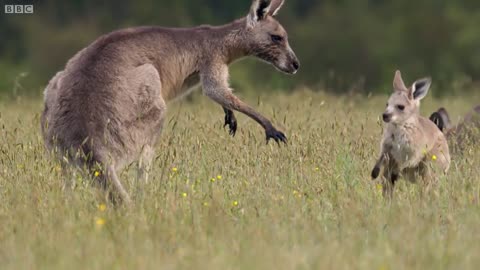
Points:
181	88
401	148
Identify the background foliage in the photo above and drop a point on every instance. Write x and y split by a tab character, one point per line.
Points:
344	45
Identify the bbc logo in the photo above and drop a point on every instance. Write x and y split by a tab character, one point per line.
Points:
19	9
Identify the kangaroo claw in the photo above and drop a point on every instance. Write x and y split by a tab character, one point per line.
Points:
276	135
231	122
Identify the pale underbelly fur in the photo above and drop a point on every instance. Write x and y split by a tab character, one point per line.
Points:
404	152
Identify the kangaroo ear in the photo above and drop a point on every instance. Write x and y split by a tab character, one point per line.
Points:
441	119
260	10
445	118
398	84
420	88
436	118
275	6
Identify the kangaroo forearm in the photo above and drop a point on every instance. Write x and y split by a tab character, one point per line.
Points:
380	161
231	102
250	112
379	165
228	112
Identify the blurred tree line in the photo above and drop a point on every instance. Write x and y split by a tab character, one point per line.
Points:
344	45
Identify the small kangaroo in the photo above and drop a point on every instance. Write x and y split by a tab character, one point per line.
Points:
468	130
411	143
108	105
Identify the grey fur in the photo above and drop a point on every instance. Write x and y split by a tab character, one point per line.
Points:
109	102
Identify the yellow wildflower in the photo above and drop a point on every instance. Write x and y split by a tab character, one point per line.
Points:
235	203
297	193
102	207
383	267
96	173
317	169
205	204
434	157
184	194
212	180
219	177
100	222
174	169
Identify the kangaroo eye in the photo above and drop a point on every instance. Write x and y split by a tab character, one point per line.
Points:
401	107
276	38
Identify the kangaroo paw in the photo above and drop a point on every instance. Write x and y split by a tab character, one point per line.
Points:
375	172
276	135
231	122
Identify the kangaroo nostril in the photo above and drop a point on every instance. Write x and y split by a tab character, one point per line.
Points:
386	117
296	65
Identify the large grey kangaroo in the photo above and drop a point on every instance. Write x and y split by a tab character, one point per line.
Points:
107	107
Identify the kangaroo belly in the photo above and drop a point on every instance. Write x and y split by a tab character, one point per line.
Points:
405	156
405	153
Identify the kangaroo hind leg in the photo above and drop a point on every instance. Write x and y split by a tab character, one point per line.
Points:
145	88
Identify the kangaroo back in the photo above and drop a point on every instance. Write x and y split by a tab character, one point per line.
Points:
465	132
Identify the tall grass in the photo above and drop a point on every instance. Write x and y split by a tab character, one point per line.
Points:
216	202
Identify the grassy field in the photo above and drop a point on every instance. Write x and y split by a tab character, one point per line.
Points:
216	202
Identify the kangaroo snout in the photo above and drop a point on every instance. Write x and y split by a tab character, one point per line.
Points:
295	65
386	117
